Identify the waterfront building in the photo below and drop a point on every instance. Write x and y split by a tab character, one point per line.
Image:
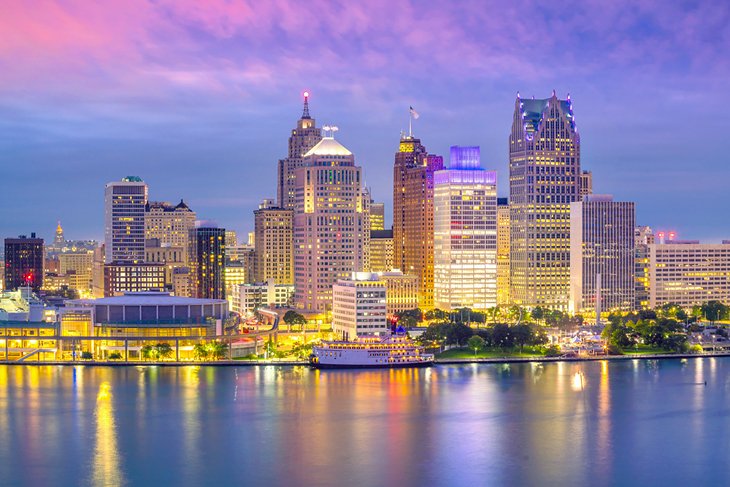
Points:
235	273
359	306
643	237
465	233
381	250
208	248
688	273
401	291
377	216
503	249
585	183
169	226
124	324
413	213
544	179
172	258
602	255
124	220
328	223
121	277
246	298
305	136
24	262
25	328
274	252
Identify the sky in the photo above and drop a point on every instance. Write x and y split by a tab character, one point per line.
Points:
198	98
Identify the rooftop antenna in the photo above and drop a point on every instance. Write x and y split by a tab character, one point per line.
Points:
412	115
305	112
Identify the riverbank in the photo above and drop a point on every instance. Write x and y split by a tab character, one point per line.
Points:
448	361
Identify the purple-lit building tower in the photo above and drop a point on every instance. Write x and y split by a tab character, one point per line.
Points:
465	233
544	172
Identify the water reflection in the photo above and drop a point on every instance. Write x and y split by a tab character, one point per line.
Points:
105	469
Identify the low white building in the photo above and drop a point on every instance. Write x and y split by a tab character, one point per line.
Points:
247	298
359	306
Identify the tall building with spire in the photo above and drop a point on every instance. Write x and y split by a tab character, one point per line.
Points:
544	155
305	136
59	240
413	223
328	223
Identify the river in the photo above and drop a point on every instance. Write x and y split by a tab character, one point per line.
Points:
634	422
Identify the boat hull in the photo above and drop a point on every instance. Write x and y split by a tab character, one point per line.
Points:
373	366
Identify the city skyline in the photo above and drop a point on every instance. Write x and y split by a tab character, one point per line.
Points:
188	95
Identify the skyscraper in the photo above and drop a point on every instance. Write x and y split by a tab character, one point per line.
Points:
169	225
124	213
601	254
544	152
643	237
503	248
377	216
274	253
413	213
328	223
209	251
381	251
302	138
24	262
465	233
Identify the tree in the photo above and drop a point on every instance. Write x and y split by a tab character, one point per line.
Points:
200	351
552	350
476	343
537	313
292	318
148	352
86	356
164	350
501	336
714	310
217	350
436	314
115	356
521	334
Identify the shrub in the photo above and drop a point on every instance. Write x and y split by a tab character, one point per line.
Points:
115	356
552	350
696	349
86	356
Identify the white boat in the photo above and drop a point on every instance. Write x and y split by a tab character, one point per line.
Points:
370	351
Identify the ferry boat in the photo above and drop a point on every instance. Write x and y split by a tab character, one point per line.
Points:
396	350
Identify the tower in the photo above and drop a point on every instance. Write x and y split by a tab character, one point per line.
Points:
413	249
24	262
544	153
273	253
209	251
328	223
303	137
465	233
124	214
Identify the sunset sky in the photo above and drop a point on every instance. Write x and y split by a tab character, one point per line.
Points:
198	98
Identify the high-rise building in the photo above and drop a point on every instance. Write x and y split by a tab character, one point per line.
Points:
544	152
365	235
465	233
77	267
169	225
247	298
413	228
273	253
503	248
24	262
401	291
602	253
359	306
585	183
305	136
124	213
377	216
231	238
688	273
173	258
643	237
328	223
121	277
381	250
209	256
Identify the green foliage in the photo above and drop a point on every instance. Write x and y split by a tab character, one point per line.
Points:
115	356
217	350
157	351
200	352
714	310
475	343
436	314
613	349
552	351
86	356
696	349
292	318
409	318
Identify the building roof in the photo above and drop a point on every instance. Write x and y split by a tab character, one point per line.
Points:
533	110
147	298
328	146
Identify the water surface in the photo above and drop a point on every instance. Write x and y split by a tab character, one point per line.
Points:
600	423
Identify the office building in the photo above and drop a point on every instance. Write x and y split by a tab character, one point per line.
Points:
24	262
359	306
688	273
305	136
401	291
381	250
273	253
124	216
465	233
209	256
328	223
643	237
121	277
77	267
377	216
544	179
247	298
602	255
503	249
169	226
413	229
585	183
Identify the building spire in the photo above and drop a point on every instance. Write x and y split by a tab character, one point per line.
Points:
305	112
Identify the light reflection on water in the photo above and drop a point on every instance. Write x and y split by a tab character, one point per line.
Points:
598	423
